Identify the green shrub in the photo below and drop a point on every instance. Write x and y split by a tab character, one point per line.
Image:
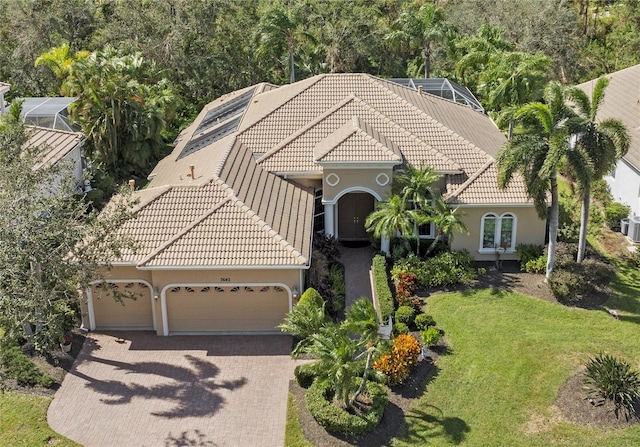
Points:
430	337
611	378
406	315
601	192
18	366
400	328
614	213
571	281
304	374
538	265
445	269
311	296
596	221
398	362
381	283
319	398
423	321
635	258
528	253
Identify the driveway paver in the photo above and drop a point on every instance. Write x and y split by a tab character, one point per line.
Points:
138	389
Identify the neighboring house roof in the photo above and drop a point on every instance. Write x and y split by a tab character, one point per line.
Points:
221	198
622	101
53	144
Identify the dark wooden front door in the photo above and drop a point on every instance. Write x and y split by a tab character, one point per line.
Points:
353	209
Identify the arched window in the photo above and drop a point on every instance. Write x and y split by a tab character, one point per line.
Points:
498	232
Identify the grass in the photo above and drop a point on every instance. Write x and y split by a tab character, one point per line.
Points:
23	422
293	436
509	356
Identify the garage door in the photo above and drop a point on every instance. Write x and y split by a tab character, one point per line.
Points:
130	314
226	309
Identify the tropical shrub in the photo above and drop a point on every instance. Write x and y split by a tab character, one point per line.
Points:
304	374
430	336
445	269
400	328
423	321
312	297
405	286
406	315
381	283
537	265
527	253
328	246
319	398
596	221
611	378
635	258
397	363
18	366
614	213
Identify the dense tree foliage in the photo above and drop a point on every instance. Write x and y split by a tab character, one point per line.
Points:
51	245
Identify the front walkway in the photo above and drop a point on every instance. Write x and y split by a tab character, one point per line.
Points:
357	263
138	389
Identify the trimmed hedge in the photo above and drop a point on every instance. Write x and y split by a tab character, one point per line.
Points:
406	315
381	283
304	375
319	399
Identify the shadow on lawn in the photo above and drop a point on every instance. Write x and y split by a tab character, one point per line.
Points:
426	425
193	390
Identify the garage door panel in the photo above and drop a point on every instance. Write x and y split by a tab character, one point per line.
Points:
226	309
128	314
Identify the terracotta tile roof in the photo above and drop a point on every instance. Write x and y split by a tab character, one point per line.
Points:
622	101
237	212
356	141
54	144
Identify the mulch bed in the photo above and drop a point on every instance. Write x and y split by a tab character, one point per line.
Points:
56	364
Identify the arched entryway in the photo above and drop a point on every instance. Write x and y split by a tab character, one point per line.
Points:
353	209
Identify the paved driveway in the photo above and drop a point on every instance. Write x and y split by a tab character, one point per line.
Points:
137	389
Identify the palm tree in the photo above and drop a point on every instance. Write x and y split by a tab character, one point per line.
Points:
424	26
602	142
59	60
447	222
537	153
279	27
393	217
305	319
415	186
361	319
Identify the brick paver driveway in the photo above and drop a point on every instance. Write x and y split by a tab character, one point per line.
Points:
137	389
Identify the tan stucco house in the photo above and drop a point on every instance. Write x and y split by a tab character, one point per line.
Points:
226	223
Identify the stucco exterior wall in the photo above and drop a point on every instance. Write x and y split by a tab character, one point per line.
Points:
335	181
625	186
530	229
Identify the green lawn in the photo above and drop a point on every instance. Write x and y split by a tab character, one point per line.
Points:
509	355
23	422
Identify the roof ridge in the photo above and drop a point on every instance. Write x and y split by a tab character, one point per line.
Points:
225	156
319	78
370	131
182	232
48	129
302	130
273	234
470	180
429	117
142	206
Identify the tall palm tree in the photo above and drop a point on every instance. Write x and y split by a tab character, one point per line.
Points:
59	60
424	26
602	142
393	217
538	151
279	27
416	186
447	222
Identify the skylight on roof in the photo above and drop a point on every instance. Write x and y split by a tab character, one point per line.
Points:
225	111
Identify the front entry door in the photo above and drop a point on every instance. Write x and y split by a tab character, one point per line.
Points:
353	209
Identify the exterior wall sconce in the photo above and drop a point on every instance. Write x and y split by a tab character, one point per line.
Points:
295	294
156	293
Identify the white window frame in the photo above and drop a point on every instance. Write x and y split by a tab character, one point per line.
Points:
498	232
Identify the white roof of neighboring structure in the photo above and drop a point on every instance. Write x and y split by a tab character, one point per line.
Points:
622	101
